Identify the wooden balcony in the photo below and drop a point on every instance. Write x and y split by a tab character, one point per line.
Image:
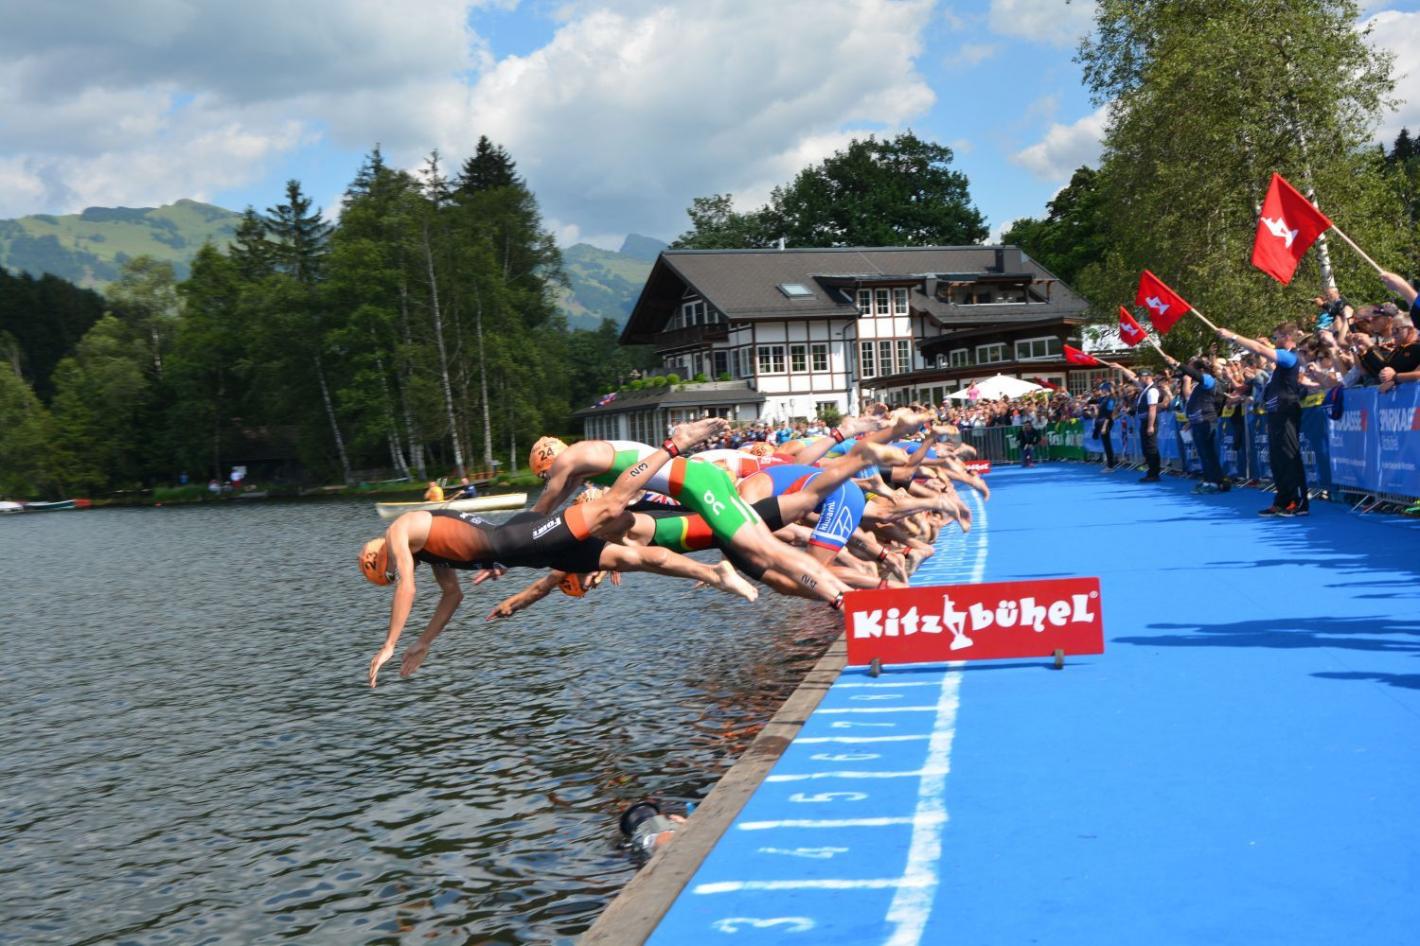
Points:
693	336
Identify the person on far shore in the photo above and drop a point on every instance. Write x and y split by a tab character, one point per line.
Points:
466	489
434	494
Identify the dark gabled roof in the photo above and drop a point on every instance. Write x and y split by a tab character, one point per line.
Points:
649	398
743	285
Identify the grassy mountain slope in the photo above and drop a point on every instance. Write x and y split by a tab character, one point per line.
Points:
605	285
89	248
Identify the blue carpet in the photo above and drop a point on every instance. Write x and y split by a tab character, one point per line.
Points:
1241	766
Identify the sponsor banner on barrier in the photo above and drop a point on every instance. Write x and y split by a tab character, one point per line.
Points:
979	467
1353	462
974	622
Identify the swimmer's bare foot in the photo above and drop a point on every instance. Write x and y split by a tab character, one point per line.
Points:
945	431
866	424
904	421
687	435
880	454
730	581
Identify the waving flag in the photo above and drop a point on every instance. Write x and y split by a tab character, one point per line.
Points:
1165	306
1287	227
1076	357
1129	330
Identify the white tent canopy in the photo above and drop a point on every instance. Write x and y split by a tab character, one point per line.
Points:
997	386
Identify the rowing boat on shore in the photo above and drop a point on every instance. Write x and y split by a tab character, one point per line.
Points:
57	506
476	504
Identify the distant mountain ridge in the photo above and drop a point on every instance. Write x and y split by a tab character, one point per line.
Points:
89	248
606	285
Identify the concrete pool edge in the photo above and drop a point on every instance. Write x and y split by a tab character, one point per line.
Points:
639	907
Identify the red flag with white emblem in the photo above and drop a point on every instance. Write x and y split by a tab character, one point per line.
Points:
1287	227
1165	307
1130	331
1077	357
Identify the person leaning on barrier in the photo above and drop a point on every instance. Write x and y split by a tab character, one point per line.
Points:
1198	386
1282	398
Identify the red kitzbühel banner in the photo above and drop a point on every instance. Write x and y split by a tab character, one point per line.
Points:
974	622
979	467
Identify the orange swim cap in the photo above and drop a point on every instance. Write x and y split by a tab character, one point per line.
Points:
543	453
375	562
758	449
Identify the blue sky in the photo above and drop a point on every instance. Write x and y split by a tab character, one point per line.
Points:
618	112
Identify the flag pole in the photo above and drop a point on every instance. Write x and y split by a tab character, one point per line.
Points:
1204	318
1360	252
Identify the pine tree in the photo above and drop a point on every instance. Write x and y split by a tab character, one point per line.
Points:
298	235
251	251
489	168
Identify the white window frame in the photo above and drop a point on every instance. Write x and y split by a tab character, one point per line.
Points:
1036	349
882	302
865	302
984	357
885	364
798	357
867	360
959	362
899	302
771	359
904	354
818	356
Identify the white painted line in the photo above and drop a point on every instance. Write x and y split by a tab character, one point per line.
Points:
904	683
804	776
916	820
912	906
817	739
876	709
882	883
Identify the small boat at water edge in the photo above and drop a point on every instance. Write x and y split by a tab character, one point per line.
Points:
8	507
61	505
476	504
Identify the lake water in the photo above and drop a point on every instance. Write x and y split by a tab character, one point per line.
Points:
191	755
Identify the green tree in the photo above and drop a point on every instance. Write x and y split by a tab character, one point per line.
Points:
1074	233
210	363
145	299
716	225
26	438
875	192
1206	100
299	239
101	395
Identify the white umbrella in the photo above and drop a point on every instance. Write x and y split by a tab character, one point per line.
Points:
998	386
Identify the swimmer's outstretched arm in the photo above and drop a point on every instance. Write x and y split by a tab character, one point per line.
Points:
449	602
397	540
527	597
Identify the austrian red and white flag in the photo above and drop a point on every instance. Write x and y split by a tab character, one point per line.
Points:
1077	357
1287	227
1165	307
1130	331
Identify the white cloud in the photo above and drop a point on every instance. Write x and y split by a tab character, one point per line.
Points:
1065	147
1399	33
630	110
971	54
148	101
1043	21
621	119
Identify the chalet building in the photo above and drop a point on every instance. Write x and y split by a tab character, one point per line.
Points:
783	334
